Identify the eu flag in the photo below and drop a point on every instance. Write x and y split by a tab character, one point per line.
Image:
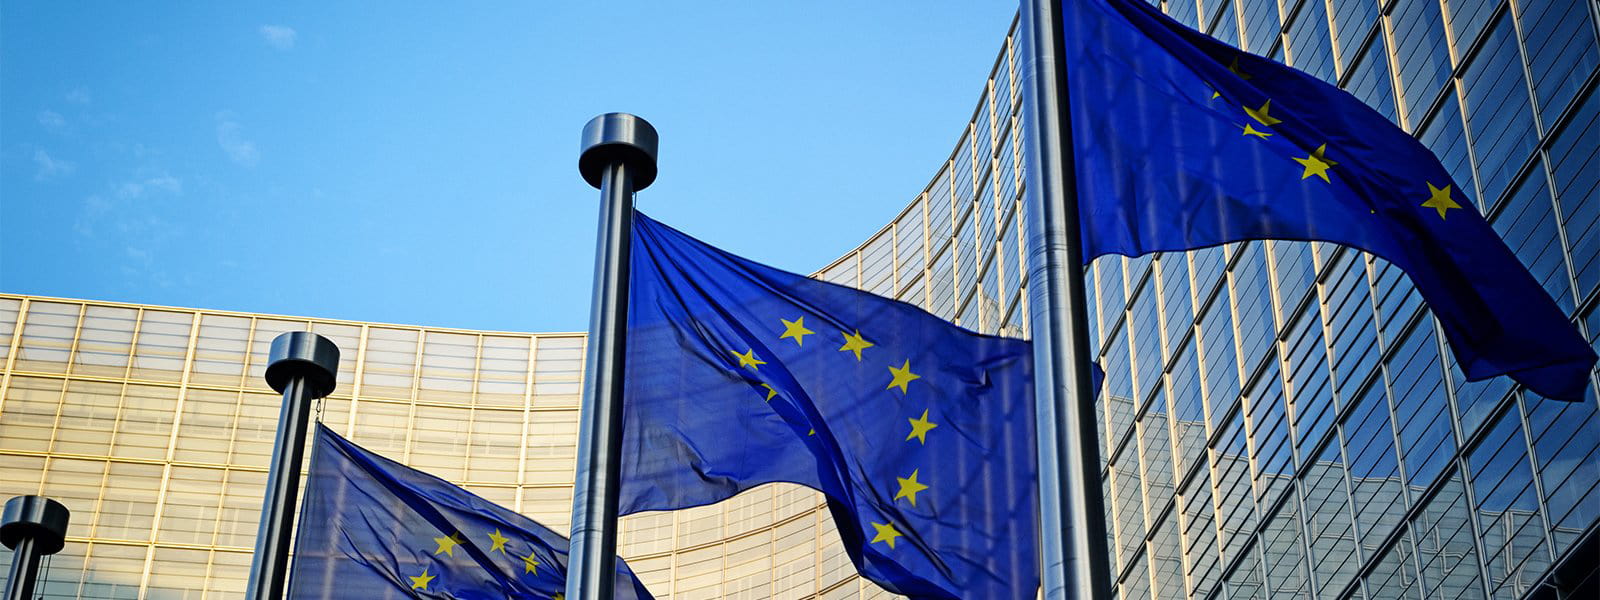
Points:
373	528
1184	142
919	433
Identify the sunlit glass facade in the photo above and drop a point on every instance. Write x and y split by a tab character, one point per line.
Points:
1279	419
154	426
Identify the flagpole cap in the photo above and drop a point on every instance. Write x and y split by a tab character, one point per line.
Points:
303	354
36	517
619	137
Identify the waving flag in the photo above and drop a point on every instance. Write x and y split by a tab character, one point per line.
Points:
373	528
919	433
1184	142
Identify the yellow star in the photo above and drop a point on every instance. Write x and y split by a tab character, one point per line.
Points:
498	542
770	392
420	582
886	533
1234	68
855	343
447	544
1439	199
812	432
559	596
530	564
1260	114
1248	130
920	427
909	486
748	359
795	329
1316	163
902	376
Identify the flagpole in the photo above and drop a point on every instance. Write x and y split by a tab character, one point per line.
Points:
619	157
303	367
1075	559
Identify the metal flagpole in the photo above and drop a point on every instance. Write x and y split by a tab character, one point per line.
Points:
302	368
1075	559
32	527
619	157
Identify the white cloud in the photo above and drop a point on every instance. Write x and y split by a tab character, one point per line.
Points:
130	190
52	120
278	36
239	150
78	96
49	166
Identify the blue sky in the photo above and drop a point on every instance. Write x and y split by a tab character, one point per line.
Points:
416	163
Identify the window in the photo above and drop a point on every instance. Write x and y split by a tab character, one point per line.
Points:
1370	81
1309	45
1497	111
1560	54
1261	25
1352	20
1467	18
1421	53
1183	11
1444	136
1575	161
1527	225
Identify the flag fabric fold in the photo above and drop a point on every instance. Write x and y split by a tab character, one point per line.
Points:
919	433
1184	142
373	528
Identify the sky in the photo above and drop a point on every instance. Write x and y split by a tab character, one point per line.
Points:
415	163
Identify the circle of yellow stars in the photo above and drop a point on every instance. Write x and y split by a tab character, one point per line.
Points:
446	545
900	378
1316	163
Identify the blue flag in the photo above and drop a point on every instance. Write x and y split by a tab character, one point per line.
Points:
1184	142
919	433
373	528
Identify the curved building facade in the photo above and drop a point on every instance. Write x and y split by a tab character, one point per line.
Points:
1279	419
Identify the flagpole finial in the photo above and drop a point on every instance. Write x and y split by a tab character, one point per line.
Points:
303	354
619	137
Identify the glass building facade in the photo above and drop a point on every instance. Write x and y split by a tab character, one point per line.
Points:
1279	419
1284	419
154	426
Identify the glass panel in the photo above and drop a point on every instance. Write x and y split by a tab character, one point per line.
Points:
47	337
105	341
1575	160
1369	79
163	343
1508	502
1421	53
1309	44
1527	223
448	367
390	363
88	416
503	371
1560	53
1497	111
1329	530
1352	21
221	350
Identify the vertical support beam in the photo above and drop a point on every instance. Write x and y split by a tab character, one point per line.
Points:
303	367
619	157
1072	515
